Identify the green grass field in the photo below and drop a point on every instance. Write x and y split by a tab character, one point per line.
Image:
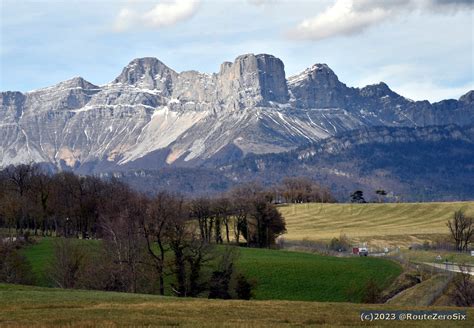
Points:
390	223
279	274
23	306
309	277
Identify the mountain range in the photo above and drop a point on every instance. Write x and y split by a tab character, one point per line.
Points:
153	119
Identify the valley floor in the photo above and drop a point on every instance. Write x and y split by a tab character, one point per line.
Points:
43	307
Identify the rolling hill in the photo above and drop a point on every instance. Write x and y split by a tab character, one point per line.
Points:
395	221
278	274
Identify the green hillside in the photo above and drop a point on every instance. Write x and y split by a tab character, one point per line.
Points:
279	274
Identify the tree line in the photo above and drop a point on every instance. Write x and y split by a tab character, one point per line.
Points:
65	204
143	239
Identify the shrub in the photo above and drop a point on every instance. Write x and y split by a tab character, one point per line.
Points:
372	292
14	267
426	245
243	288
341	244
69	259
219	285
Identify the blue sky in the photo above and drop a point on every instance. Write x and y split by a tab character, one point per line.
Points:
422	49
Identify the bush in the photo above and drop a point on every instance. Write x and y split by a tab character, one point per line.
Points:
14	267
219	285
426	245
243	288
340	245
67	264
372	292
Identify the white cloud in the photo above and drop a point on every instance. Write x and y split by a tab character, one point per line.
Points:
348	17
432	91
415	82
163	14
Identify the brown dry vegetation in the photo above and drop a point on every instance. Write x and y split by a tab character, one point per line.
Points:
42	307
399	224
423	294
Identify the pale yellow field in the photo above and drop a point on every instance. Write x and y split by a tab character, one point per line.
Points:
407	222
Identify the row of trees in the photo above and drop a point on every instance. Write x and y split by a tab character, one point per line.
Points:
358	196
69	205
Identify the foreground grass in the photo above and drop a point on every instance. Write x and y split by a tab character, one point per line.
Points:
315	221
42	307
278	274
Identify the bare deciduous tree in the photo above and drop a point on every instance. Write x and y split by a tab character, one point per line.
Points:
462	230
160	214
67	263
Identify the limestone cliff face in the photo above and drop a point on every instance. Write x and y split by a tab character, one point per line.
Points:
252	80
11	104
319	87
190	117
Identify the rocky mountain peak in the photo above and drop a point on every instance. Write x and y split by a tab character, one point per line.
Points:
253	80
319	73
148	73
318	87
378	90
77	82
468	98
68	85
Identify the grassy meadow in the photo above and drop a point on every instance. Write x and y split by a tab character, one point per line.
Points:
389	223
310	277
43	307
279	275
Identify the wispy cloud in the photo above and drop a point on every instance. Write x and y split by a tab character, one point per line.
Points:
349	17
163	14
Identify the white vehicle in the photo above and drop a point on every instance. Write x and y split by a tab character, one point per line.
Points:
363	251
